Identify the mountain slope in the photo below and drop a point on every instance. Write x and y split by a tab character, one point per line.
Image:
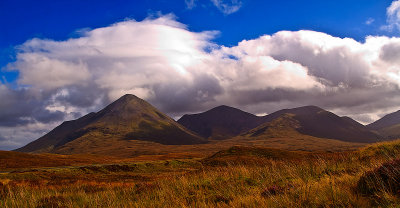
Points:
221	122
317	122
128	118
59	135
386	121
225	122
388	126
391	132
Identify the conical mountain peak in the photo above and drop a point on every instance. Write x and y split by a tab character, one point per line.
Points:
128	118
128	100
129	108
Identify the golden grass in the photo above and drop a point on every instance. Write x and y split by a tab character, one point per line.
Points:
307	180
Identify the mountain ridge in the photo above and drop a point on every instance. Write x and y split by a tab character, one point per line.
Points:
311	120
317	122
130	123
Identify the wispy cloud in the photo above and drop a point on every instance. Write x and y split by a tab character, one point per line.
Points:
369	21
225	6
190	4
393	17
228	6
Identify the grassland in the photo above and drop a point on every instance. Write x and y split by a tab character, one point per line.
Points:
237	177
113	146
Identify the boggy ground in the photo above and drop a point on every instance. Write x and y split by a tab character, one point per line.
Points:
237	177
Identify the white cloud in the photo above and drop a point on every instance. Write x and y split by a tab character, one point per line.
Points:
227	6
369	21
393	17
190	4
180	71
42	71
13	137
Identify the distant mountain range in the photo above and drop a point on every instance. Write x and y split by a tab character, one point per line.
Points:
226	122
130	119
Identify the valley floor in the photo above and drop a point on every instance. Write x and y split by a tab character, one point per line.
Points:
235	178
118	147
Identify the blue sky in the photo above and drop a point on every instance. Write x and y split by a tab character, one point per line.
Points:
60	60
60	20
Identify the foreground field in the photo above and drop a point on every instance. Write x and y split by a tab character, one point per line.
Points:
237	177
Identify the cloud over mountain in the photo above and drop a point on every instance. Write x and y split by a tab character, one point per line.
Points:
181	71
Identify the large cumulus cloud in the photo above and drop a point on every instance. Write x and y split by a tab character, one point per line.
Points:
180	71
353	74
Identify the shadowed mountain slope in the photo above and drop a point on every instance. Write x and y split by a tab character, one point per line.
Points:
224	122
128	118
386	121
388	126
221	122
317	122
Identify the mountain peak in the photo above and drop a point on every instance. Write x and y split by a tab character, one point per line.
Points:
317	122
224	108
221	122
309	108
129	97
127	105
128	118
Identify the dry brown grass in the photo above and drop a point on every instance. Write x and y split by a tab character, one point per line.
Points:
264	178
133	148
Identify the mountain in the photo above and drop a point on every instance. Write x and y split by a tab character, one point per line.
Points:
130	127
388	126
391	132
224	122
282	133
221	122
128	118
386	121
316	122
